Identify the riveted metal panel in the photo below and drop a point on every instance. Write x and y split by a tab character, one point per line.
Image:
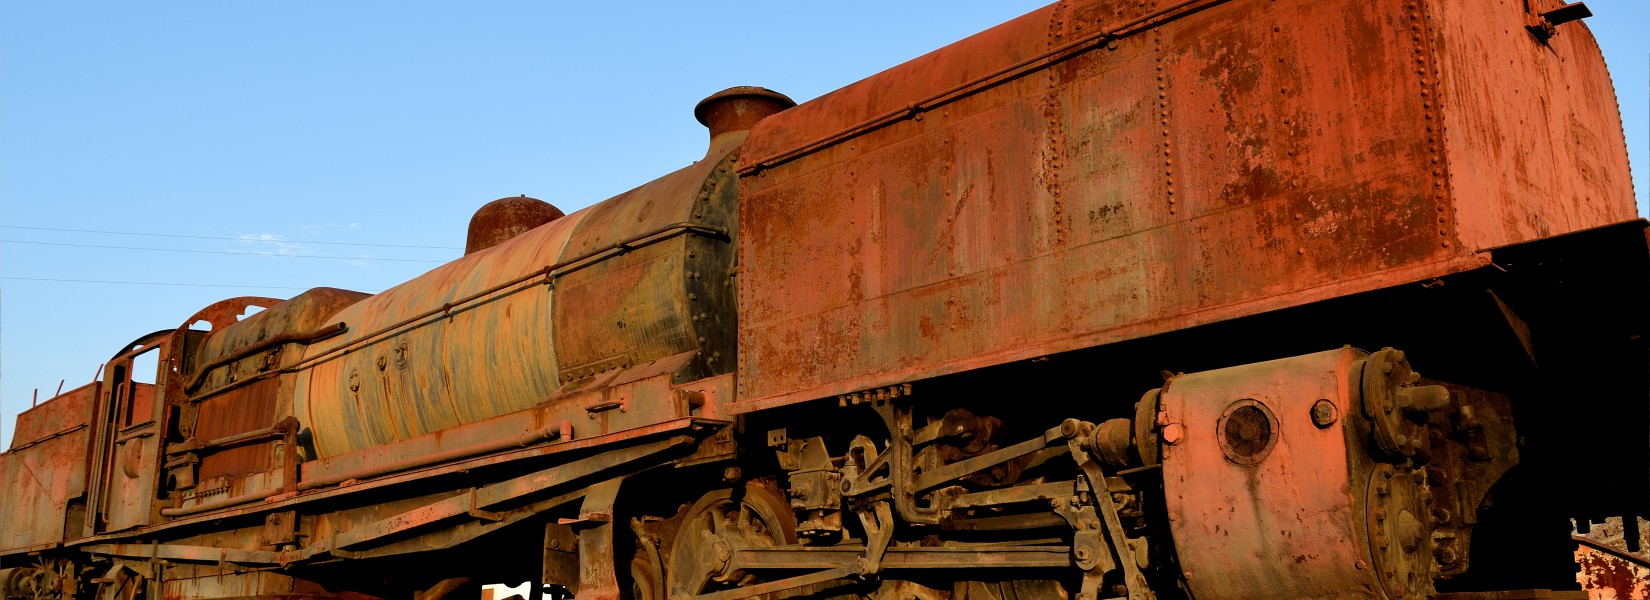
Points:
1217	160
1532	130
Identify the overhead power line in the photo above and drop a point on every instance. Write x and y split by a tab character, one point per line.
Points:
420	260
207	285
213	237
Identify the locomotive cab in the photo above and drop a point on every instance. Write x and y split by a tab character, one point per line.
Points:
128	435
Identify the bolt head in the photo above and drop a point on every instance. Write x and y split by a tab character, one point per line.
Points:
1324	414
1173	433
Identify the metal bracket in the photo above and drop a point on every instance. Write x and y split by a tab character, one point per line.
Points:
485	515
1133	579
867	465
622	403
1087	550
879	531
1544	24
598	502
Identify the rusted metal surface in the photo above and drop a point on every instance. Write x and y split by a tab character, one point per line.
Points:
908	558
183	553
730	113
1611	574
381	467
620	289
284	501
61	415
305	316
1289	525
647	397
1612	558
223	313
971	82
267	343
128	427
1210	164
45	468
236	374
483	498
498	221
1515	595
1096	171
1309	506
279	429
442	589
1460	476
1521	166
196	582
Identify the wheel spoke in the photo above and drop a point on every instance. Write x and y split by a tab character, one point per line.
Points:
716	527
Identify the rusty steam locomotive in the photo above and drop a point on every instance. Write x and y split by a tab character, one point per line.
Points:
1072	308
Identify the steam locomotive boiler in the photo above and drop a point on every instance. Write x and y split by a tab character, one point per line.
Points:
1159	299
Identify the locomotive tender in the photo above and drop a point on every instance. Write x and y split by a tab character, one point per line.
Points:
1072	308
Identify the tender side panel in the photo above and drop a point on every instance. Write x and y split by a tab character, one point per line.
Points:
1246	157
1533	130
45	468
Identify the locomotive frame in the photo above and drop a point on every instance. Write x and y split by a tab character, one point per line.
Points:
1070	308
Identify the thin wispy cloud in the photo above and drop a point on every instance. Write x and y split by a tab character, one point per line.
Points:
272	244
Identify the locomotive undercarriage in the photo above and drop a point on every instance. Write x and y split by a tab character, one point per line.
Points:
1078	510
1451	499
1012	482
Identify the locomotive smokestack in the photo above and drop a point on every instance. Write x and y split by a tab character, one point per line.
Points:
498	221
736	110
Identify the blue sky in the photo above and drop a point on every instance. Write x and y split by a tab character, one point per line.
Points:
387	123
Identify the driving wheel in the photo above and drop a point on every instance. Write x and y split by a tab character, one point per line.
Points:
722	522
